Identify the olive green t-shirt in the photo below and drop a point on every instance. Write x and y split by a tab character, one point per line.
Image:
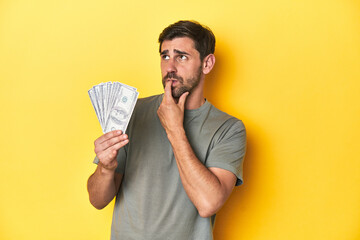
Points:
151	203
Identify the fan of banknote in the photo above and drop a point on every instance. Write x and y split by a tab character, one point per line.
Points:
114	103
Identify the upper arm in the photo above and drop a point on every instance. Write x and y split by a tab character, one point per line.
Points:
229	149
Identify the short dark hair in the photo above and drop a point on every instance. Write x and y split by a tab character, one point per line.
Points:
202	36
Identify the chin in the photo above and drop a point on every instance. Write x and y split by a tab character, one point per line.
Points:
176	93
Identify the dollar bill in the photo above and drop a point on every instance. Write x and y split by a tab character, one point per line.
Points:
113	104
94	103
122	109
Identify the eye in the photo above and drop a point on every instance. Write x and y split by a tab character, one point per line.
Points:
165	57
183	57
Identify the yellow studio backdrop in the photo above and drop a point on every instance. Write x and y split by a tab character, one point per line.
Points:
289	69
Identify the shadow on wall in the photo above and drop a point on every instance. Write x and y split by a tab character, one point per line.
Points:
213	79
234	215
226	72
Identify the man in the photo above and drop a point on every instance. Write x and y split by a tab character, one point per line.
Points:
181	157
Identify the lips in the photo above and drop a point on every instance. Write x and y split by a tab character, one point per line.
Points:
173	78
173	81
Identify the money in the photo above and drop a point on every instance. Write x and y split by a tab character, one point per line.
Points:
113	104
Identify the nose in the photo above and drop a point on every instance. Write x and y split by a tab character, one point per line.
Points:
171	65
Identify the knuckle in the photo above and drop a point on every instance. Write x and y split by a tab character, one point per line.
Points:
97	149
112	156
100	157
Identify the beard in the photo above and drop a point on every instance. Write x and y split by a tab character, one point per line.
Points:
190	83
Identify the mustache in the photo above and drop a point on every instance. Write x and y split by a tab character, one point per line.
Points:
172	75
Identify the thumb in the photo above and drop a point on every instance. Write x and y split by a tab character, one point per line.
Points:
182	99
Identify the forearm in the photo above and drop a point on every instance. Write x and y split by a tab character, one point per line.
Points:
102	187
201	185
208	189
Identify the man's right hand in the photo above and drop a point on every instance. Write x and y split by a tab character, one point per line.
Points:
107	146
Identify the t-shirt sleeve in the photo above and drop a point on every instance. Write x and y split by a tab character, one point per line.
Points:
229	147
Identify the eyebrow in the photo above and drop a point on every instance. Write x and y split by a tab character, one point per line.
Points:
164	52
176	51
181	52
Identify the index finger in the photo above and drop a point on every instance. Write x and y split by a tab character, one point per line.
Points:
107	136
167	89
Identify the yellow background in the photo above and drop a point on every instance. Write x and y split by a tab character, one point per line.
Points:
289	69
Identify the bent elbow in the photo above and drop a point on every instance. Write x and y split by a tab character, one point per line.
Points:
208	210
97	205
206	214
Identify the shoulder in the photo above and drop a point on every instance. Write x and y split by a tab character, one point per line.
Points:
151	100
224	119
148	103
146	108
144	111
227	128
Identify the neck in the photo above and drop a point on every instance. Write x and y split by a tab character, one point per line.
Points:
196	98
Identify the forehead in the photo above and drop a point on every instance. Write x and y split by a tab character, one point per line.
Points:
181	43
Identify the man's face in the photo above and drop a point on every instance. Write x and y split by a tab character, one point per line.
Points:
180	64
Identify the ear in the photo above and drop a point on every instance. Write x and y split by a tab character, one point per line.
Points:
208	63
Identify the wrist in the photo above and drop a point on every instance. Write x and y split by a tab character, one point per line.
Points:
106	171
176	134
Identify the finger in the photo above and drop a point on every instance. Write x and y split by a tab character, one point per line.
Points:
109	154
110	142
107	136
101	146
117	146
167	90
182	99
